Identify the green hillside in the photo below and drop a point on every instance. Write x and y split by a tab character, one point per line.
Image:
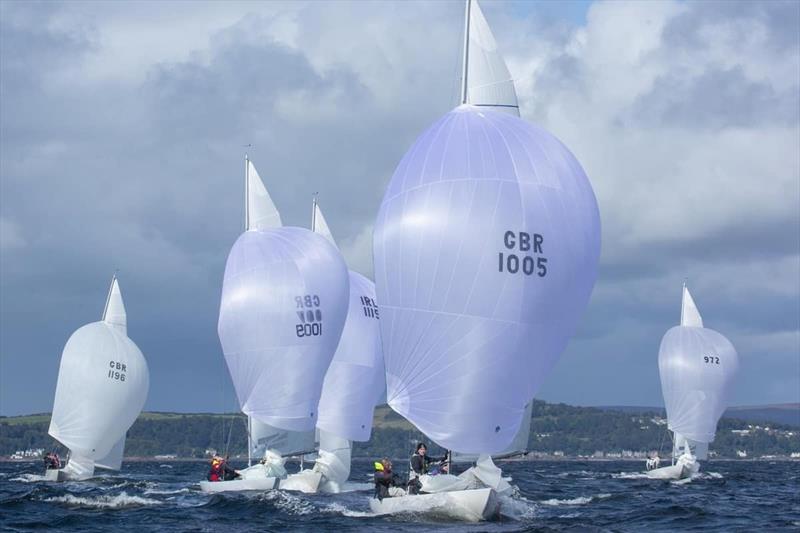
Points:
560	428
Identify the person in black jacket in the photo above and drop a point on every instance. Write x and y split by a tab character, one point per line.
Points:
420	464
384	478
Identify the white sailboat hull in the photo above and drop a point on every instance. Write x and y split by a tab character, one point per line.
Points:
680	470
469	505
237	485
306	482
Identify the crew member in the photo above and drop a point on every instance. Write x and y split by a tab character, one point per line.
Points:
384	478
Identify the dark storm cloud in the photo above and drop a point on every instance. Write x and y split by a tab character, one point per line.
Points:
145	174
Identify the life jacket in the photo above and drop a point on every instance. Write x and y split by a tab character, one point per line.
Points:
216	470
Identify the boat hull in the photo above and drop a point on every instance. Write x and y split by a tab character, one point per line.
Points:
471	505
678	471
237	485
306	482
54	475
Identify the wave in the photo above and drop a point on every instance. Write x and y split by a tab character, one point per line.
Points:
158	492
630	475
28	478
119	501
580	500
517	507
288	503
338	508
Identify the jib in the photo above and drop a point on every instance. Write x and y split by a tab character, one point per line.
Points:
309	330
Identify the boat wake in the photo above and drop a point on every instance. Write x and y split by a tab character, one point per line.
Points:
580	500
28	478
118	501
517	508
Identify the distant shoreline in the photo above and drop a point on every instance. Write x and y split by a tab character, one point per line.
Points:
521	460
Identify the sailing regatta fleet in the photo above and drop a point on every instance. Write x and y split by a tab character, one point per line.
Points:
486	249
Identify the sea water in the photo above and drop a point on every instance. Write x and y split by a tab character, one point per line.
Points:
553	496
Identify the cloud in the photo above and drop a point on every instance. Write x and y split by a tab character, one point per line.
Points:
123	132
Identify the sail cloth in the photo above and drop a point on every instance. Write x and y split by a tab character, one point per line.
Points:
697	367
320	225
486	249
489	84
264	437
690	315
261	210
355	380
284	301
102	386
518	446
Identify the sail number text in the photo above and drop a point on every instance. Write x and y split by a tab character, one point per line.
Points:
116	370
527	244
310	315
711	359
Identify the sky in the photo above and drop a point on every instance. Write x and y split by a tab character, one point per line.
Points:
123	128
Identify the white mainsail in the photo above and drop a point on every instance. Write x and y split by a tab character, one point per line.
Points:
488	81
102	385
283	306
697	366
353	381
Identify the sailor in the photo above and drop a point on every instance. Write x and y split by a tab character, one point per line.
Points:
384	478
220	471
51	461
419	465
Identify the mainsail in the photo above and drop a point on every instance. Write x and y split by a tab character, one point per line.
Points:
102	386
283	306
488	83
697	366
354	380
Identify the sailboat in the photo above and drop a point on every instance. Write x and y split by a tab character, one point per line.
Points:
486	248
697	366
353	385
102	386
284	302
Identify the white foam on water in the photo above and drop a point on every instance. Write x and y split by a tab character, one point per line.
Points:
118	501
684	481
287	502
517	507
166	492
165	466
580	500
28	478
630	475
338	508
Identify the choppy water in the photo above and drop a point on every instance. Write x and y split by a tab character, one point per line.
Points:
555	496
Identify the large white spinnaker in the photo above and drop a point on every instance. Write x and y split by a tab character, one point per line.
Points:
486	249
697	366
102	385
283	306
354	380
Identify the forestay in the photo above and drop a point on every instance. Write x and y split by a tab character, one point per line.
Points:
102	386
486	248
697	367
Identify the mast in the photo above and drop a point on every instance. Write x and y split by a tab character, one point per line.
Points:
314	212
683	297
249	441
108	296
246	192
465	66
